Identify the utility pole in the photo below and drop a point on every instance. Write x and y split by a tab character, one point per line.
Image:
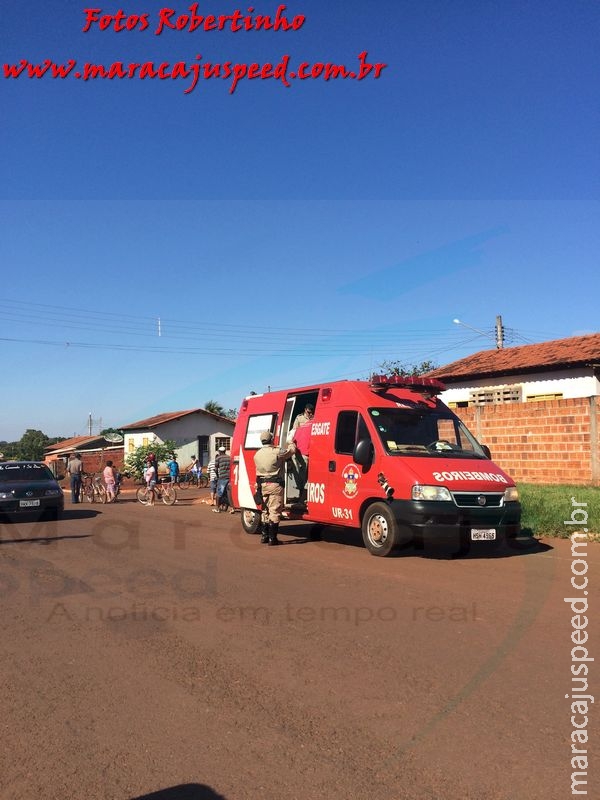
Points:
498	336
90	424
499	333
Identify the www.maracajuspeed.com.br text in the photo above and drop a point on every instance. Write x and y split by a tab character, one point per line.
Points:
196	71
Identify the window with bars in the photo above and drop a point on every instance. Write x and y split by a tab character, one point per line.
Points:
223	441
495	394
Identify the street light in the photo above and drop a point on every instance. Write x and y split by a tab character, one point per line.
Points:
464	324
498	337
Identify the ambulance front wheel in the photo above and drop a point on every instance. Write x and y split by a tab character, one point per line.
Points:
379	530
250	520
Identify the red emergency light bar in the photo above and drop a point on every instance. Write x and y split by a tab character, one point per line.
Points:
416	383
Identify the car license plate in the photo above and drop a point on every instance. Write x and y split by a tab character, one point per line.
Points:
483	534
28	503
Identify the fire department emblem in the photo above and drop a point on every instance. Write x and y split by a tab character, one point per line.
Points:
350	474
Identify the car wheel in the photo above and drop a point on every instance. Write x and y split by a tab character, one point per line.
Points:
250	520
380	530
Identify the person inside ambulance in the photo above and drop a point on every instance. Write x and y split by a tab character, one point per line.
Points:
301	439
269	461
305	416
300	435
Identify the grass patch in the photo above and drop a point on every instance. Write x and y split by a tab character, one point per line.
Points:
545	509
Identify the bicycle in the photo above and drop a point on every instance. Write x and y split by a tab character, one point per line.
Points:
92	489
162	491
193	479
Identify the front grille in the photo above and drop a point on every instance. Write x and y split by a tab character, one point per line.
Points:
471	499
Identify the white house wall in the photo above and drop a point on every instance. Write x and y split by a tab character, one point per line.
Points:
568	383
184	432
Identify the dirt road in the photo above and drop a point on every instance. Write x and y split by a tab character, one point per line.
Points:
162	652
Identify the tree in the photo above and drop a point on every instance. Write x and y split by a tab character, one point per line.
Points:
214	408
8	450
134	462
217	408
398	368
31	446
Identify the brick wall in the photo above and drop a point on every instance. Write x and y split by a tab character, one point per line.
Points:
551	441
93	461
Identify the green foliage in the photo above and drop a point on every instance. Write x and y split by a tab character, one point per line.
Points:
214	408
545	508
31	446
405	370
217	408
8	450
134	462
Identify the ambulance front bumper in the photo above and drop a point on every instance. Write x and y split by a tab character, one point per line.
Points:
444	522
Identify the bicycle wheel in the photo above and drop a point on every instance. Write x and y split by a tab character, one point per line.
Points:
101	492
203	481
184	482
142	495
87	491
168	494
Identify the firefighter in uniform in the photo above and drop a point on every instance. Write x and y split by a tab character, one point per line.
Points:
269	461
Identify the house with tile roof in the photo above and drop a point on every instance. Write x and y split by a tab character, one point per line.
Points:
196	432
554	370
537	407
93	451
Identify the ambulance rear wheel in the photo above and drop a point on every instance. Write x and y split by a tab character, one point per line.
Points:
250	520
379	530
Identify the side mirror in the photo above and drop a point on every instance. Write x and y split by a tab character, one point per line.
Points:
364	452
486	450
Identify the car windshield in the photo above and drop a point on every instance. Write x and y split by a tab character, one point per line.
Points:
25	472
423	432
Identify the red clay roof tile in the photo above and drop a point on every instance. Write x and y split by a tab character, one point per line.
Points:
159	419
553	355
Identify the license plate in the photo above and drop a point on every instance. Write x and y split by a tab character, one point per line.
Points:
483	534
28	503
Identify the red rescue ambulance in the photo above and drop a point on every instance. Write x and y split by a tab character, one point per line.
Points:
385	455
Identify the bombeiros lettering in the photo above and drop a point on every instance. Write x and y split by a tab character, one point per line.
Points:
469	476
315	492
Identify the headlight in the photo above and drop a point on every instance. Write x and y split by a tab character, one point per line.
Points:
511	495
5	495
52	492
430	493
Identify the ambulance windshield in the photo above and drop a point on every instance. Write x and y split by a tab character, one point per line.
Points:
423	432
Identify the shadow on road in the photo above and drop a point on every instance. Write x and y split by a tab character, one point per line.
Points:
188	791
44	539
523	544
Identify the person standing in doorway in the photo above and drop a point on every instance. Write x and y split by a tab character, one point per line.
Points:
305	416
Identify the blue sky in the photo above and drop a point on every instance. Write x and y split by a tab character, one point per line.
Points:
288	235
